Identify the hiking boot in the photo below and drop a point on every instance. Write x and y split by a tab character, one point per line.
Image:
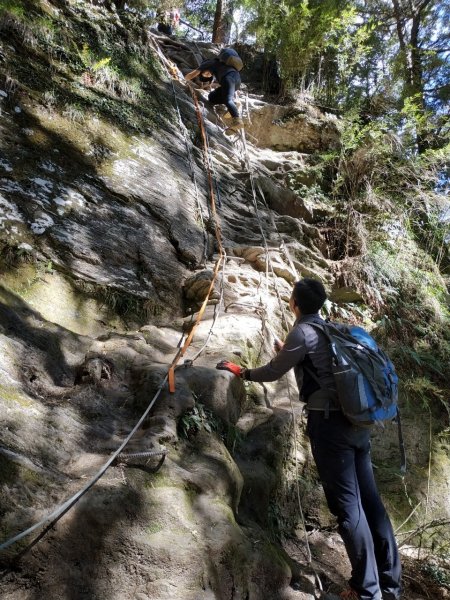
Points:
236	123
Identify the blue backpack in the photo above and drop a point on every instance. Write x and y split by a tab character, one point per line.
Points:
230	57
365	378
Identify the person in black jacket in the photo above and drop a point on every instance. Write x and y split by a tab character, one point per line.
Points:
341	450
229	81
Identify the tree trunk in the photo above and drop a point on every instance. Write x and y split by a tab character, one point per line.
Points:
416	85
222	22
401	40
412	64
416	78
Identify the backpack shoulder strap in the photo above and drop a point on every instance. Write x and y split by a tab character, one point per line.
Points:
325	327
320	327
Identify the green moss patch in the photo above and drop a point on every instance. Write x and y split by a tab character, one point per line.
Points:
13	396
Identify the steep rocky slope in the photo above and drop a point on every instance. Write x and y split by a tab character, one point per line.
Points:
108	245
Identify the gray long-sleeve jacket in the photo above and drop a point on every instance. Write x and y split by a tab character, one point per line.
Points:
304	346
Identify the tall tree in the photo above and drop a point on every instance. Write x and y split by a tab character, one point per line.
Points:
347	51
419	61
299	34
409	20
223	20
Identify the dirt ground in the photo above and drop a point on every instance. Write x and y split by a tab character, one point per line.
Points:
330	564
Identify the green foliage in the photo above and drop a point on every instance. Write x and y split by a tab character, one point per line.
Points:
12	7
120	302
200	13
369	158
327	48
376	173
88	60
200	418
308	193
438	573
86	66
362	56
415	323
392	243
12	255
299	34
421	389
232	437
101	73
197	419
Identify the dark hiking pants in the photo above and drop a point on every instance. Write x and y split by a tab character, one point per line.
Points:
225	93
342	455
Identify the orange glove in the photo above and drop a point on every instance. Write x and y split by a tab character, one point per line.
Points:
226	365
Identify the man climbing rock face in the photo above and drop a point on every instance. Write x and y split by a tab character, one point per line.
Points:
341	450
229	81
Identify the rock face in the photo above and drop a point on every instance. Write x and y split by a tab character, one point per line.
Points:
285	128
116	231
108	244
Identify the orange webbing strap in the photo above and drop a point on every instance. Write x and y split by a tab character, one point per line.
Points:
173	71
187	343
171	377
